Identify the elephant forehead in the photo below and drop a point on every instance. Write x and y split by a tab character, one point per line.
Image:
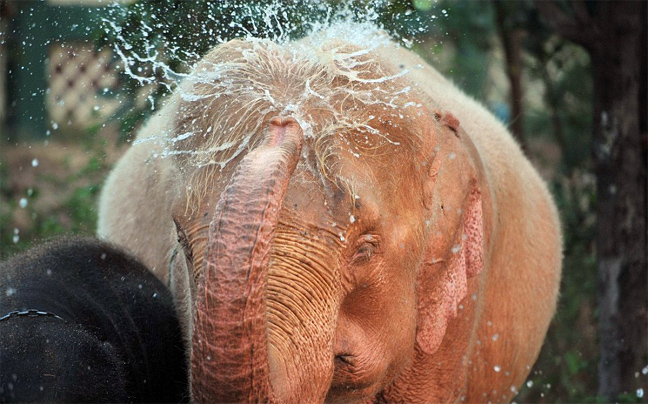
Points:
389	180
318	200
305	192
357	194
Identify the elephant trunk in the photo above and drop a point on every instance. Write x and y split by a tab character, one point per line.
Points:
229	355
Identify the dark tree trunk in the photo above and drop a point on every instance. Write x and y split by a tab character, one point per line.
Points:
615	35
621	182
511	37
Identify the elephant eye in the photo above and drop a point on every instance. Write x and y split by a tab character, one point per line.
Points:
366	247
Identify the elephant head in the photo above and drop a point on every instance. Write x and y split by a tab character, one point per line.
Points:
330	219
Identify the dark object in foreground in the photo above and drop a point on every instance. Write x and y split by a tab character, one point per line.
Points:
81	321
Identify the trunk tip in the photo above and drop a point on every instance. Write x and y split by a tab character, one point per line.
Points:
284	130
283	121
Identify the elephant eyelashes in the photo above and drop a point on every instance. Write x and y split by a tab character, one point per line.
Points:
184	242
366	248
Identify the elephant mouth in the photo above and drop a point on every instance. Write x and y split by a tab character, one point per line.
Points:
350	377
345	360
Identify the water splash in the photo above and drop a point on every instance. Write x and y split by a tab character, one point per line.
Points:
156	53
154	49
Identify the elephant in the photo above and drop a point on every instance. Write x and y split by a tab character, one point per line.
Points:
339	223
81	321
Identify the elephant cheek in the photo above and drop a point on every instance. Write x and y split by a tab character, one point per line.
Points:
284	378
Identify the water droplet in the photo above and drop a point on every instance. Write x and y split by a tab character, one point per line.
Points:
10	291
55	126
49	272
155	295
140	286
495	337
529	384
103	256
497	368
645	370
23	203
35	163
640	393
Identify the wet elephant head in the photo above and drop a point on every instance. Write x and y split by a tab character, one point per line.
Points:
330	221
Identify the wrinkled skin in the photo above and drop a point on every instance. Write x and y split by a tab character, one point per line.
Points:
371	240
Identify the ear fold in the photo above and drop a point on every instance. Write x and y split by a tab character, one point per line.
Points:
455	230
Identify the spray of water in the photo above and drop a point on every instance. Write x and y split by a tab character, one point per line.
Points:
160	43
348	30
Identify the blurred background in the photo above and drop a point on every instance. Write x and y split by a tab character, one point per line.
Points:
77	77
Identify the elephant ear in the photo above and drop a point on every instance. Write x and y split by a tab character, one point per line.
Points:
455	230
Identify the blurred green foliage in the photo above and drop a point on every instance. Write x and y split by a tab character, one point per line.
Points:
75	214
63	196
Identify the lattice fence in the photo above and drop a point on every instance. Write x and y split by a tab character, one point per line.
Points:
80	78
